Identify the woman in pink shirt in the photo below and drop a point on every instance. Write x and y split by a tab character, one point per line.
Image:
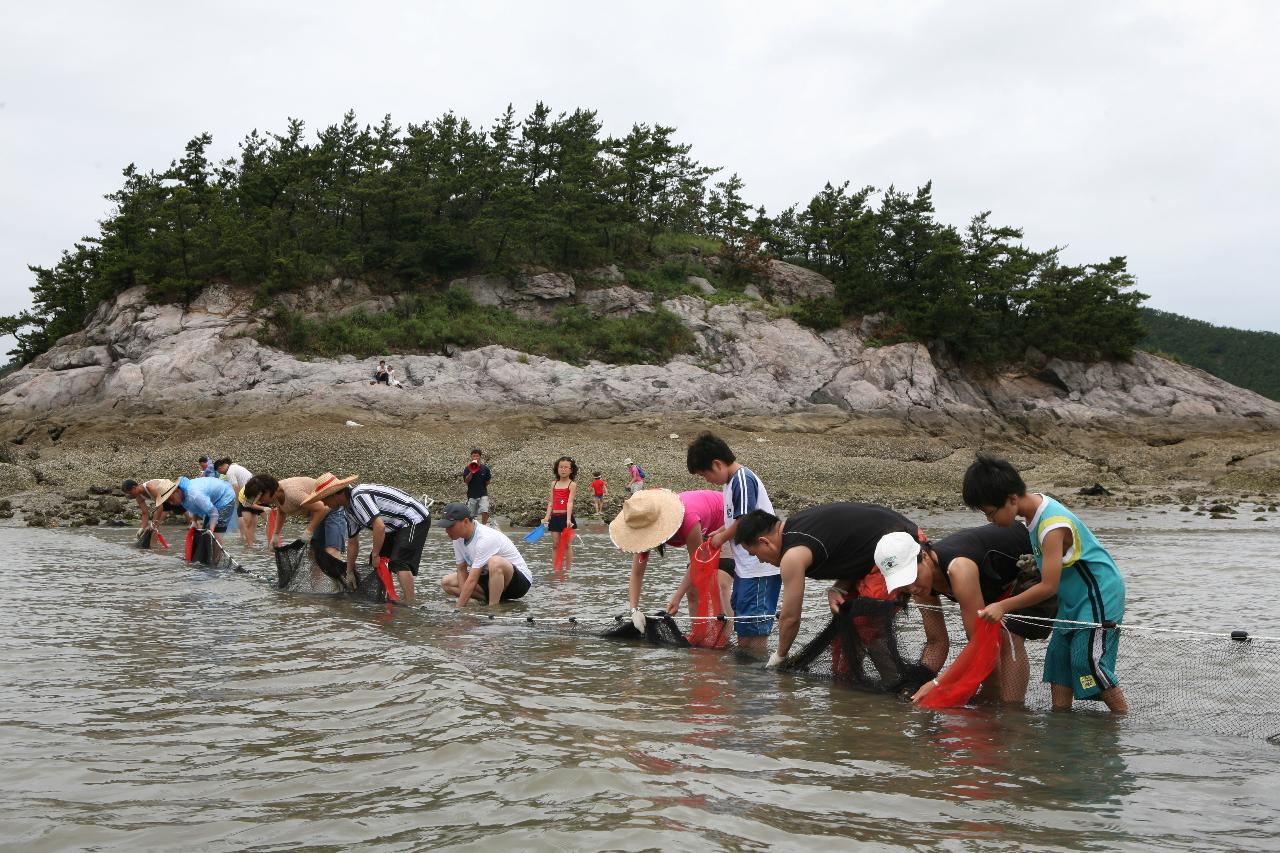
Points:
655	517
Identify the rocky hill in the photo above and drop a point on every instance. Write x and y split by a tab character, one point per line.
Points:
134	357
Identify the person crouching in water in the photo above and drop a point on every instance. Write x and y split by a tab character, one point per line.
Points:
398	523
837	542
1080	662
288	496
559	518
656	517
489	567
972	567
208	503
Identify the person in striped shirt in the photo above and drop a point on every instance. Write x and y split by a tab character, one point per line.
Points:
397	522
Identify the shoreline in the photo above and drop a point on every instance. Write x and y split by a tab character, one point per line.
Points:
69	475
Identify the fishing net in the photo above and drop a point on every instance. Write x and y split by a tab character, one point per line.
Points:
862	646
300	569
659	630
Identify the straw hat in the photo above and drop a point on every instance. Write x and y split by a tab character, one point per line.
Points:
648	519
164	488
328	483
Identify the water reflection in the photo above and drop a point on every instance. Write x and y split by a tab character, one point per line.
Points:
171	706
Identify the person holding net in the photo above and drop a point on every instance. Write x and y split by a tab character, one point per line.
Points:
1080	662
286	498
656	517
973	567
208	503
837	542
398	525
147	494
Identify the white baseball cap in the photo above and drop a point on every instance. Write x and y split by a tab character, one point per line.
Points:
898	558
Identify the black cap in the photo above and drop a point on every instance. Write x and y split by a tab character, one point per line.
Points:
454	512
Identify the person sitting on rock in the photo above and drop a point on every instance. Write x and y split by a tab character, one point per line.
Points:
398	522
208	503
288	496
391	378
380	374
489	567
147	494
656	517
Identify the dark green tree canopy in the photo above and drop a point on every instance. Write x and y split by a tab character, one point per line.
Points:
410	207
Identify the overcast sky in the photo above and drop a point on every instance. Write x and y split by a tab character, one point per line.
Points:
1145	129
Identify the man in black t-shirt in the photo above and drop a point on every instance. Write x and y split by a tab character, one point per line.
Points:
835	542
975	567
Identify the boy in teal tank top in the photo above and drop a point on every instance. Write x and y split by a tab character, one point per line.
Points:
1080	662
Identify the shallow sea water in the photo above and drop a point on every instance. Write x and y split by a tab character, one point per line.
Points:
149	704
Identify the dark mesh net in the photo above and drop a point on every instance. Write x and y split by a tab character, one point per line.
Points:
659	630
862	646
208	550
144	539
300	569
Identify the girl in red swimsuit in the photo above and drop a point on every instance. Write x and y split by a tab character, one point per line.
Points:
560	508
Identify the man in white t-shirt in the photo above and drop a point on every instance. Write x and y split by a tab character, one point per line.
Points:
237	476
489	568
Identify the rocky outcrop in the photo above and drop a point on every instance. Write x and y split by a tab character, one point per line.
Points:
136	357
787	283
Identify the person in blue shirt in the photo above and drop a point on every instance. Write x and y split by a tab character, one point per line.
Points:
1080	662
329	546
207	502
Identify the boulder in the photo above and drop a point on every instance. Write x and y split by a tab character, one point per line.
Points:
702	284
546	285
788	283
621	301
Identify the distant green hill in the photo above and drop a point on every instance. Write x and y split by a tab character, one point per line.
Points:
1248	359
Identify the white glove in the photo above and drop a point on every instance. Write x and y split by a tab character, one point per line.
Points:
775	661
637	619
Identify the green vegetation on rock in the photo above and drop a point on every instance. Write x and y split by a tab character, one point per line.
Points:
435	322
1244	358
412	208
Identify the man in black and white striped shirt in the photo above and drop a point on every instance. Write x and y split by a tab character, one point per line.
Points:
399	524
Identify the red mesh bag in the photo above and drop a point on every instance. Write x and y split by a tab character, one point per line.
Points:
709	631
562	547
957	685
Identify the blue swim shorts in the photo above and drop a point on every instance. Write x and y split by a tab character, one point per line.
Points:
1083	659
755	597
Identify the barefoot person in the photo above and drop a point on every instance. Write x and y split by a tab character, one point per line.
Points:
237	476
489	568
397	522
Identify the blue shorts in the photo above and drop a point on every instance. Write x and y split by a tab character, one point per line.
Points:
1083	659
755	597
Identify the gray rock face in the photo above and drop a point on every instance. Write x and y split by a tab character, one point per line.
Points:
133	356
621	301
787	283
702	284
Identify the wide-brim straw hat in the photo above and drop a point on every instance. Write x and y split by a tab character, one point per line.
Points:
164	488
648	519
328	483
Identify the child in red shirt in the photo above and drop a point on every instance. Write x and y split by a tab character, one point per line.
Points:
597	487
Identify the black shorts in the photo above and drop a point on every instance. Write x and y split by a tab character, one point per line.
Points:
557	522
516	589
241	509
404	547
726	566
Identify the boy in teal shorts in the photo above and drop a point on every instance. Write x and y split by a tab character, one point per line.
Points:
1080	662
